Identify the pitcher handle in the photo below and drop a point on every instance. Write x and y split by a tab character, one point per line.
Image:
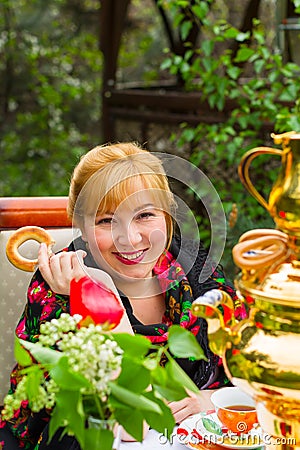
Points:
243	171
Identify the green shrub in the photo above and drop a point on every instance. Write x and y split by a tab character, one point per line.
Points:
257	91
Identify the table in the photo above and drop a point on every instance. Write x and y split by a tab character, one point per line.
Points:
154	441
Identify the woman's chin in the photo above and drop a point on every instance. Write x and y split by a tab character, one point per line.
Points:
133	276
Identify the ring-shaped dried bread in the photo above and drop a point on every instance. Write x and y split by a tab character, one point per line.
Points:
22	235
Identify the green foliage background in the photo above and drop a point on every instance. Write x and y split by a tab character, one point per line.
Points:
50	90
50	83
50	86
257	89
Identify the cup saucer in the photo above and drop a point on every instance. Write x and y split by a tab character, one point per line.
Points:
205	431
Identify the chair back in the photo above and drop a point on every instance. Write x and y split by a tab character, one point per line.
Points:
46	212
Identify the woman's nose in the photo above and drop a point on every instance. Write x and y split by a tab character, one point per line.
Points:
128	235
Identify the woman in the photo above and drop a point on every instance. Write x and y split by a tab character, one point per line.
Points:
121	201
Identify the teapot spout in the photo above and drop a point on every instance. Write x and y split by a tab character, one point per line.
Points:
217	308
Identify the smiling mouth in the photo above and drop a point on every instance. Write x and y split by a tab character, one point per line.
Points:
131	256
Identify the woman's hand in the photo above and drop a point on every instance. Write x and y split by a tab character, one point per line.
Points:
190	405
58	270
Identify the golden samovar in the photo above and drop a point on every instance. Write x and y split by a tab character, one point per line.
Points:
261	353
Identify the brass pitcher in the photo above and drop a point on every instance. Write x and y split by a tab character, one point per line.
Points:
261	353
284	199
269	259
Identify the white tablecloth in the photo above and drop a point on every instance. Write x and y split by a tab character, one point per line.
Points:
154	441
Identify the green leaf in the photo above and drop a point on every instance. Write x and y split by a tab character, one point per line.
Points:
240	37
188	134
234	72
160	423
34	380
208	64
185	29
64	377
132	421
170	393
178	19
178	60
273	76
244	54
132	399
212	426
207	46
134	370
183	344
231	33
42	354
21	355
220	103
68	412
185	67
258	65
177	373
159	376
98	439
56	422
294	123
166	64
200	10
164	383
136	346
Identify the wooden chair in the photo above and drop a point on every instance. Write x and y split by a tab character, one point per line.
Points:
46	212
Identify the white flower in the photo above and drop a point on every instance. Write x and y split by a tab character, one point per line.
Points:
90	353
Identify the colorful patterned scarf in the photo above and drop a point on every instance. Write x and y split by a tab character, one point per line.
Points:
178	298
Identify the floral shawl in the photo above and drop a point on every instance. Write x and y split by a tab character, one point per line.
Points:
44	305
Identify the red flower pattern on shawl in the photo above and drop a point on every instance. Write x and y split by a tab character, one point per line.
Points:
43	304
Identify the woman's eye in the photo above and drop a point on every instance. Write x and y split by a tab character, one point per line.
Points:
145	215
104	221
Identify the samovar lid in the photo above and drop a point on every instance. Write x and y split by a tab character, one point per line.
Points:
269	268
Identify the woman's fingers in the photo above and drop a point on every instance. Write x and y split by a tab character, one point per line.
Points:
78	264
192	404
43	262
58	270
185	407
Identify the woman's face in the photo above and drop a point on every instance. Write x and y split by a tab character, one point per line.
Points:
128	240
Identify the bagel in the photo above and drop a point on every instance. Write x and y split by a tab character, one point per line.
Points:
22	235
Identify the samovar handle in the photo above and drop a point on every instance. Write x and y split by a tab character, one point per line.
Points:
259	248
243	171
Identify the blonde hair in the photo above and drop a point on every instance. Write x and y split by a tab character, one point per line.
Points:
107	175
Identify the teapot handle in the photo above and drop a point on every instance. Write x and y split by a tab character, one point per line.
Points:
243	171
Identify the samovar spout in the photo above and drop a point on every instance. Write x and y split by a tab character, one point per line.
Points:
217	308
